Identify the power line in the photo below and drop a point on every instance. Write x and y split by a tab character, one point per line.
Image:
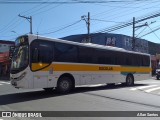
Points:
141	31
34	8
130	13
61	28
118	15
13	24
113	28
69	2
154	32
40	7
125	4
9	24
47	9
15	21
150	32
106	21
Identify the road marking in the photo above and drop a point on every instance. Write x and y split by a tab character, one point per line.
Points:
153	89
143	87
5	82
97	85
148	82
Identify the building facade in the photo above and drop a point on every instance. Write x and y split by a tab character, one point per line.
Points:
116	40
5	61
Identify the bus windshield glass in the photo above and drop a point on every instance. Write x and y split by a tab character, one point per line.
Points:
20	55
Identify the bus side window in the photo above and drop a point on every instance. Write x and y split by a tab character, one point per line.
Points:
41	54
45	52
65	52
35	55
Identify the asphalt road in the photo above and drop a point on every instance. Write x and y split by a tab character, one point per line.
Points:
144	96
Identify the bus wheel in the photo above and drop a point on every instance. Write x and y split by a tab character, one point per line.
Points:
64	85
129	80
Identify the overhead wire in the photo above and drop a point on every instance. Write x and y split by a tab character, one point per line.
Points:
118	15
68	2
153	31
92	19
111	10
10	26
141	31
14	22
61	28
111	16
106	21
115	26
46	9
41	6
5	26
29	11
77	1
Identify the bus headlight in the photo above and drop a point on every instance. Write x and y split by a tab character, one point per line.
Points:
20	77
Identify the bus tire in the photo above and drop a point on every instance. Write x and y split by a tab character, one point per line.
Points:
129	80
64	85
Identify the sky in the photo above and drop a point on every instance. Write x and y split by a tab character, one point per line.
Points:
60	18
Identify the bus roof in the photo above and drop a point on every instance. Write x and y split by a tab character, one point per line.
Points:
85	44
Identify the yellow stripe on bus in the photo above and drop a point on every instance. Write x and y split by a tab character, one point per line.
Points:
83	67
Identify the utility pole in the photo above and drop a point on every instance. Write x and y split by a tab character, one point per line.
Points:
30	21
133	38
88	25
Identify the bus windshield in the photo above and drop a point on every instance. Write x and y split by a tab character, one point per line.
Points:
20	57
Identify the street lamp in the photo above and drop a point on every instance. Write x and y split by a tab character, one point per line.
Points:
15	32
